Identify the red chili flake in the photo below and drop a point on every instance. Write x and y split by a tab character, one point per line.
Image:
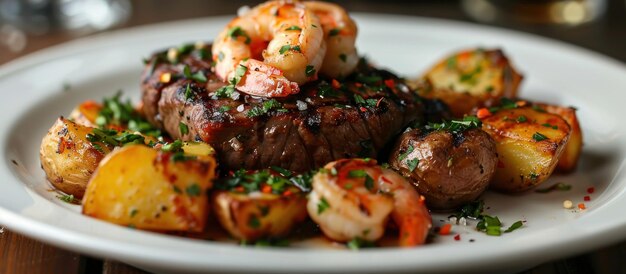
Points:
363	109
335	84
591	190
483	113
457	237
266	189
582	206
390	83
445	229
587	198
358	85
287	192
385	180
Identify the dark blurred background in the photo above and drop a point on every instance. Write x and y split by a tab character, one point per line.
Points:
30	25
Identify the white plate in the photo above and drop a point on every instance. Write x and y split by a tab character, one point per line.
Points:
98	66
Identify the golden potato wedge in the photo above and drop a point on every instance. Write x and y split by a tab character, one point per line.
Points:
468	79
150	189
86	113
573	148
529	143
258	215
68	158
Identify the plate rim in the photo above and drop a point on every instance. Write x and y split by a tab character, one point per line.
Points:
83	242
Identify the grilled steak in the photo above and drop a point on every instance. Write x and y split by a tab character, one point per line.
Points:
327	120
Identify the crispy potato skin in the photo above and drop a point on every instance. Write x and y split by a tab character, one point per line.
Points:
86	113
468	79
68	158
524	161
145	188
252	217
569	159
453	169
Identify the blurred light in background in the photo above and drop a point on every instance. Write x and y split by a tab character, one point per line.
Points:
21	18
566	12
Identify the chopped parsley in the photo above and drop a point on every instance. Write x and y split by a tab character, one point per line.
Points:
550	126
265	108
188	92
236	32
67	198
456	126
343	57
514	226
325	90
254	222
225	91
286	48
521	119
539	137
282	171
223	109
113	138
491	225
334	32
183	128
118	113
412	164
406	153
133	212
359	100
198	76
176	146
309	70
240	71
193	190
322	205
293	28
252	181
358	243
472	210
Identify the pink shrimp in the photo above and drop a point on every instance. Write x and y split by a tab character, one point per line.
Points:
271	50
353	198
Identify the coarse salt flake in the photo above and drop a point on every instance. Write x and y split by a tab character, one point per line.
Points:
172	54
463	221
301	105
568	204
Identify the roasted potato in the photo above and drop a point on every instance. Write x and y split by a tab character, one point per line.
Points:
449	168
150	189
573	148
467	79
529	144
259	215
68	158
86	113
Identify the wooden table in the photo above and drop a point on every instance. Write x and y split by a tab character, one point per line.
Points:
19	254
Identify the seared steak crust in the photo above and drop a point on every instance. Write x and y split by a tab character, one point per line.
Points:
327	120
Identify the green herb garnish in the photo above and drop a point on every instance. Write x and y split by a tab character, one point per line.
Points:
322	205
539	137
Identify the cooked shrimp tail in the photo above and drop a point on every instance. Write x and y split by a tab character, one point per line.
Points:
280	39
354	198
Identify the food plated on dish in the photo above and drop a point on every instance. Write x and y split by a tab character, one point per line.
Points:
279	125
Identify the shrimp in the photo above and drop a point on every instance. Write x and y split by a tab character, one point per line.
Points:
353	198
340	31
270	50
